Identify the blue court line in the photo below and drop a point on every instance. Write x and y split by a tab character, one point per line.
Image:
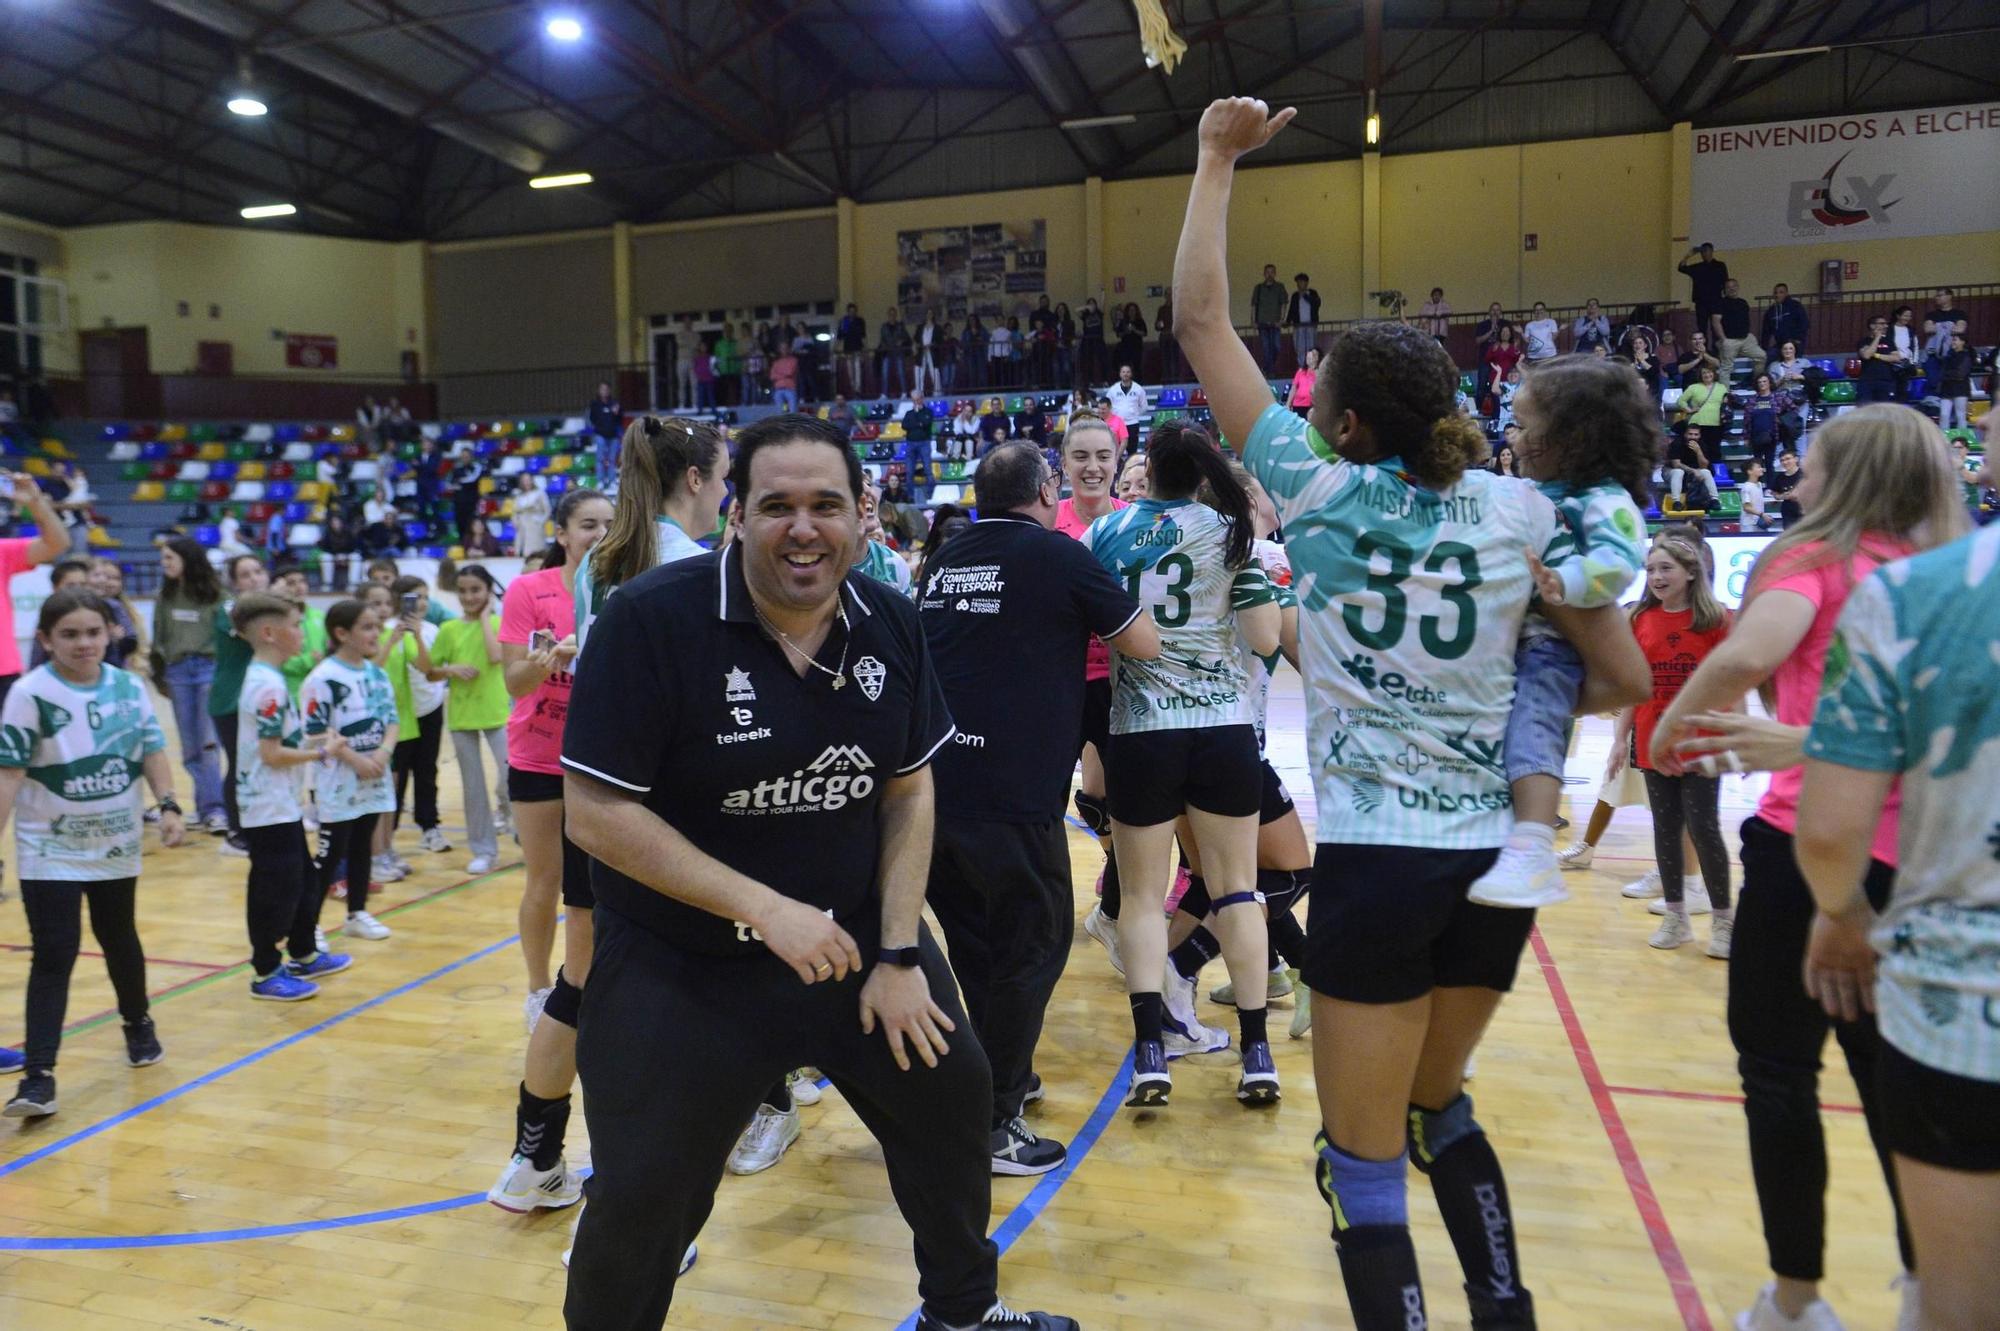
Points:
1078	824
15	1166
1029	1209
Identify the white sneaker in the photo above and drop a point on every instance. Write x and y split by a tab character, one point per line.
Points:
1674	931
1641	888
522	1188
1205	1040
1177	995
433	840
1105	930
1521	879
396	859
764	1143
1278	986
363	925
319	939
803	1083
1720	930
1694	894
1578	856
1302	1014
384	869
532	1005
1910	1313
1763	1315
482	865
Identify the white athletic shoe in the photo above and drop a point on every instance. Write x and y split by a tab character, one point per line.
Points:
522	1188
687	1258
804	1086
1177	994
319	939
1105	930
1521	879
1302	1014
1763	1315
481	865
384	869
396	858
532	1005
1694	894
1578	856
764	1143
363	925
1720	930
1674	931
433	840
1639	889
1277	987
1909	1314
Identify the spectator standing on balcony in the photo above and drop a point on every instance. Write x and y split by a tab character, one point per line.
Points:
1707	274
1729	331
785	381
1132	337
1128	398
1539	336
1042	334
1302	313
1487	331
1954	383
1435	315
892	353
606	420
1941	320
1785	320
531	515
755	358
728	355
1000	353
930	353
1590	330
687	343
1267	310
1170	352
1090	360
852	337
704	377
1903	328
1881	360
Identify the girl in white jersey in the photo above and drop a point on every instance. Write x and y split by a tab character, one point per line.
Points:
75	736
670	487
1412	584
1184	740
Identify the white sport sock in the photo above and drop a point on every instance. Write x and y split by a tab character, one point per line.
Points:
1532	836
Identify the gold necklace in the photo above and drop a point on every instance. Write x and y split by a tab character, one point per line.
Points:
840	673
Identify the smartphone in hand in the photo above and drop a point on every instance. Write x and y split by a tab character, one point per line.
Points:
541	640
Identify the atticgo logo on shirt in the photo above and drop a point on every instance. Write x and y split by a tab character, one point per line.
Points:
101	777
832	781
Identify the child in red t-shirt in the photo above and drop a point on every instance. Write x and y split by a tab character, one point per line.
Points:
1678	622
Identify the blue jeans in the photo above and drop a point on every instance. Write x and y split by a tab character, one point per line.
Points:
785	399
188	683
1267	336
1548	679
893	361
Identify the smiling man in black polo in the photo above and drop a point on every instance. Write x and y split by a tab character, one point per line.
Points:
749	768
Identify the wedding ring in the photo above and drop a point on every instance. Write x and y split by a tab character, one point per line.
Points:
822	966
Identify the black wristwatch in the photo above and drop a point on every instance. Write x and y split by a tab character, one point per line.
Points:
900	956
168	804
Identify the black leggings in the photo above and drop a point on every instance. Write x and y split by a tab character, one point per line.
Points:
1693	802
418	755
55	927
1779	1032
225	734
347	850
284	895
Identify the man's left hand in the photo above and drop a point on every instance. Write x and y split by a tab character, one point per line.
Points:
900	997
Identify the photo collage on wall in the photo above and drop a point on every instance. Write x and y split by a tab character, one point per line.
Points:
992	270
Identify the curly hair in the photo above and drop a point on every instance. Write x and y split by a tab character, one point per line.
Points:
1401	385
1595	422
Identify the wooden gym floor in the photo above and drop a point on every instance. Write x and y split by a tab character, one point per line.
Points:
322	1166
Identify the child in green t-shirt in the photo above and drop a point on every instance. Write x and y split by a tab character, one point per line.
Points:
468	653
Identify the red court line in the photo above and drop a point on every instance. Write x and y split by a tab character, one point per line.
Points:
150	959
1711	1097
1693	1315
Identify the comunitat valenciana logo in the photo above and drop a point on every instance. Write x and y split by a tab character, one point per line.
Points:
835	779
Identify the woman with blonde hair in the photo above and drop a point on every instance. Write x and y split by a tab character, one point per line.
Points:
1882	487
669	493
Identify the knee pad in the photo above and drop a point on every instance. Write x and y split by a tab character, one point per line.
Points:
1433	1132
1362	1194
1283	887
1095	815
565	999
1195	901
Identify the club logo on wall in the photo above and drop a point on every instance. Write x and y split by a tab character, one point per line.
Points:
1854	200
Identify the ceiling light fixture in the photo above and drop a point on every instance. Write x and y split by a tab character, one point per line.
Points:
1372	128
268	210
557	182
1097	122
564	29
245	105
243	98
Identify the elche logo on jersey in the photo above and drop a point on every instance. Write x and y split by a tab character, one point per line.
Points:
830	782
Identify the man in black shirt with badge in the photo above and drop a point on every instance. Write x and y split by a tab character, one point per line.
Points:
1729	332
1009	608
750	771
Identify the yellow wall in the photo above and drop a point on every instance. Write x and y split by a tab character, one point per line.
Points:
1951	260
1304	218
874	266
368	294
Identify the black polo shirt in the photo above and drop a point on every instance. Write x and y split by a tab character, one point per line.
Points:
775	774
1009	608
1735	312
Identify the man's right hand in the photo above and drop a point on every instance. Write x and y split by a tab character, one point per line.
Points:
1233	126
809	941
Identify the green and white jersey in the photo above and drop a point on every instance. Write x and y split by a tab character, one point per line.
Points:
356	703
1410	606
1270	557
1908	688
1606	551
881	563
1169	555
675	545
265	796
77	819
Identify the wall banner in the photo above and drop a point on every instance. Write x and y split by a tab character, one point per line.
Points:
1881	176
